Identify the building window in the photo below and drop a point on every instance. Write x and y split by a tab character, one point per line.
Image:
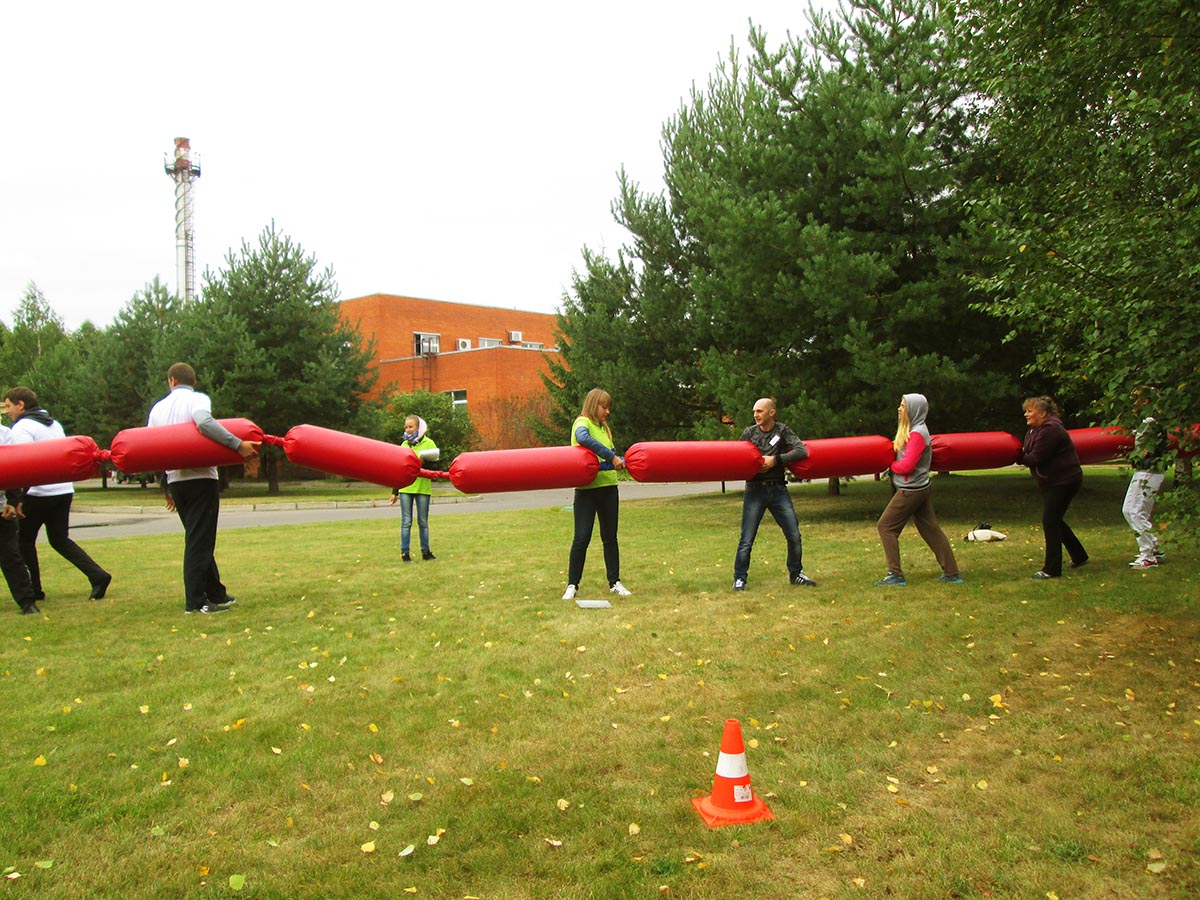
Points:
459	398
489	342
532	345
424	342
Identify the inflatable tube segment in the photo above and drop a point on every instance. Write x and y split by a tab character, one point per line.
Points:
1098	445
693	461
177	447
965	451
351	456
74	458
843	457
528	469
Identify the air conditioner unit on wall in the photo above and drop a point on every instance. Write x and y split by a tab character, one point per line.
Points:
515	337
462	344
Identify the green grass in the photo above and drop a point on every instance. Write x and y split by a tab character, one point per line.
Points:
1001	738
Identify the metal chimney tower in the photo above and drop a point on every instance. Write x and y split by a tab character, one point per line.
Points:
183	172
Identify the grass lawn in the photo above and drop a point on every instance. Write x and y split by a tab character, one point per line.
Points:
358	727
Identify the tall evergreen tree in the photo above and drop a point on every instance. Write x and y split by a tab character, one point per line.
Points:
268	344
808	244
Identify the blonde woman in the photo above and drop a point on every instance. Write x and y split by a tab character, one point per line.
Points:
913	497
597	500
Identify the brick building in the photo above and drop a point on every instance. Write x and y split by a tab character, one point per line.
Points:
490	360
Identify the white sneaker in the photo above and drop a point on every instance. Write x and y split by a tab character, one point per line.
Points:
620	590
1143	563
569	593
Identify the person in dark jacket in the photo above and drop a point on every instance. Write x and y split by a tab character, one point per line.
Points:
768	491
1050	455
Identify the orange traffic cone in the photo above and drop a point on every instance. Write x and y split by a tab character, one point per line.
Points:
732	802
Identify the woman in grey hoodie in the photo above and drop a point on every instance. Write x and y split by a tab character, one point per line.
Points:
913	497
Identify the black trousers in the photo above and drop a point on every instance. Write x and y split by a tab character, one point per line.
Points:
12	564
591	504
1056	500
198	503
55	513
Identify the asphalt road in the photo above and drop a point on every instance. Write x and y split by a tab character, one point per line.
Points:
134	521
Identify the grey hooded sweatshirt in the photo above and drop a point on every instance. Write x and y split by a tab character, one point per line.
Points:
910	471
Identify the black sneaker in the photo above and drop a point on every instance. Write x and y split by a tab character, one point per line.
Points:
207	608
30	609
405	557
100	587
427	554
802	579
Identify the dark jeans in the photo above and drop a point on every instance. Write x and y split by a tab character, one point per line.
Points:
16	573
590	504
759	497
198	503
55	513
1056	499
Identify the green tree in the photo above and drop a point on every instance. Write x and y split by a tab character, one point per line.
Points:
1093	129
809	245
36	331
268	344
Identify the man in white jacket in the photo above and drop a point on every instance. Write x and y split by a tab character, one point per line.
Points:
195	494
47	504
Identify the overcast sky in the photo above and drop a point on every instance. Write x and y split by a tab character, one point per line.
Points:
453	151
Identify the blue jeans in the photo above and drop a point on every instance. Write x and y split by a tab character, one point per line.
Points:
759	497
406	511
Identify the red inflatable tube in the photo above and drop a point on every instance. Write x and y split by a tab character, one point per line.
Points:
529	469
1098	445
74	458
351	456
842	457
177	447
693	461
974	450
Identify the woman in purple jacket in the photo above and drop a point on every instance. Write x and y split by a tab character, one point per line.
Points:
1053	462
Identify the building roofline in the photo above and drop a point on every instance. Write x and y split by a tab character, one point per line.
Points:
532	312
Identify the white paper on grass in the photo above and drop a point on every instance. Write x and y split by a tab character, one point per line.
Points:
593	604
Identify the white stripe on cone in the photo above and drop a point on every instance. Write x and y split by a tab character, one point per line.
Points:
732	765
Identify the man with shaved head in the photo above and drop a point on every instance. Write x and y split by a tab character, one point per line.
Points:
768	491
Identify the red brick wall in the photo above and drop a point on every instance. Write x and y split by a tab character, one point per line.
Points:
497	379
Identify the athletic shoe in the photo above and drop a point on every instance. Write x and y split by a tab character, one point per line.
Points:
802	579
207	608
951	579
100	587
405	556
1079	565
30	609
569	593
1041	576
1142	563
426	554
891	580
739	584
620	590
